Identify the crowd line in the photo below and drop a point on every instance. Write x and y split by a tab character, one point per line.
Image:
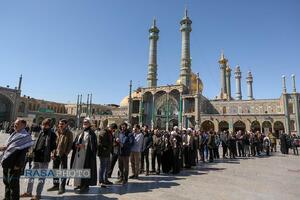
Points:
168	152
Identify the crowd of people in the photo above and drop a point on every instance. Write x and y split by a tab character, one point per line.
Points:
147	151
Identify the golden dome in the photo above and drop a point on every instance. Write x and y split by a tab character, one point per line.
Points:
124	102
193	83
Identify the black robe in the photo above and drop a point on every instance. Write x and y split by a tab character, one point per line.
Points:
167	155
90	158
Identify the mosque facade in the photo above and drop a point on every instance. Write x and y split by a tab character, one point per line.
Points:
182	104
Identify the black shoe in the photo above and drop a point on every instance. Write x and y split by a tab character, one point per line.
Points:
132	176
147	173
53	188
103	185
124	182
61	191
158	172
83	190
108	182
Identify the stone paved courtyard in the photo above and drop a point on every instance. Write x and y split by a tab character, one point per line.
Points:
275	177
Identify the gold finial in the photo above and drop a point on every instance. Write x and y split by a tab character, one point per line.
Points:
222	58
154	21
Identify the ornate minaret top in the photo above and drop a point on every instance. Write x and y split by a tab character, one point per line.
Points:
223	63
185	69
283	84
152	66
223	60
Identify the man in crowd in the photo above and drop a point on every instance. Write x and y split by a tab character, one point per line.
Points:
84	151
135	155
157	148
126	140
104	150
64	144
211	145
13	159
147	144
44	145
113	128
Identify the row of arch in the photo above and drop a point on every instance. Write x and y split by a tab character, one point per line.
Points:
36	107
240	125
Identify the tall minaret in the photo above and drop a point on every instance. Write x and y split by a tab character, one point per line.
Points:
228	82
152	66
185	69
20	83
238	76
249	83
223	62
294	83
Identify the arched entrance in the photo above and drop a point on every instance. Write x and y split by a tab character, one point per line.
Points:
239	126
278	127
147	108
5	109
266	127
255	126
223	126
207	125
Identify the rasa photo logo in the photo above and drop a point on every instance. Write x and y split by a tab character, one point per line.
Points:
57	173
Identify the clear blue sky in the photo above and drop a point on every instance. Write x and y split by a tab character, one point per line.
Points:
66	47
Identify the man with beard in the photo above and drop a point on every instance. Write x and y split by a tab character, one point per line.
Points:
42	149
13	158
64	142
84	156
